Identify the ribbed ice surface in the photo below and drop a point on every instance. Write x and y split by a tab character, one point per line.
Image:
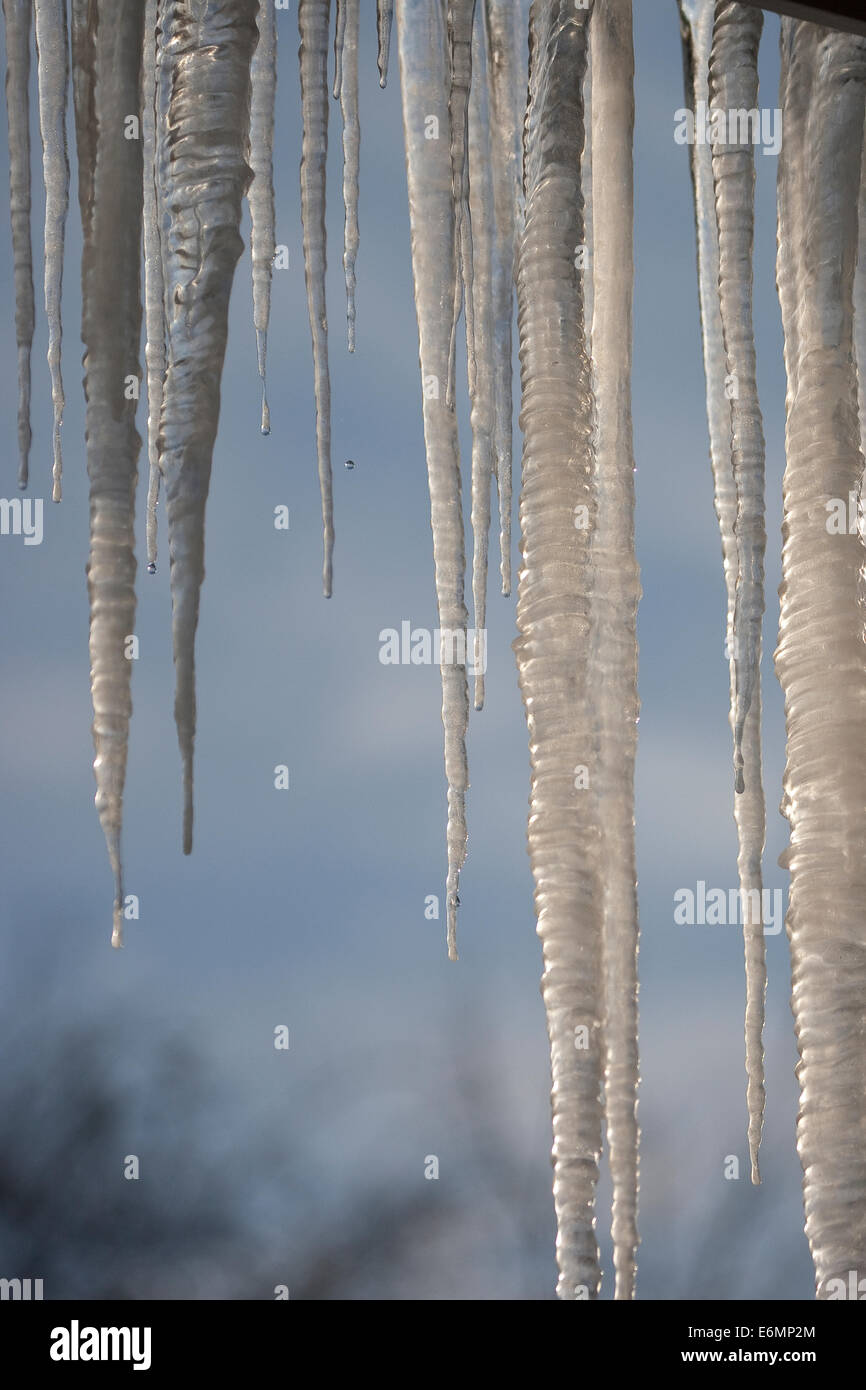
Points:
83	24
460	18
615	600
346	88
553	616
111	329
260	195
506	99
16	14
733	83
154	289
313	19
481	210
425	89
204	175
749	812
820	655
52	47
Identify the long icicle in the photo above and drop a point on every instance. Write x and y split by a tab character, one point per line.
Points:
482	388
506	89
384	19
83	24
313	22
16	14
206	59
617	591
557	518
52	47
424	85
733	85
111	329
154	288
819	657
460	20
749	814
347	90
260	196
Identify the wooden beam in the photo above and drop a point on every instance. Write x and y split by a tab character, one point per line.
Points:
833	14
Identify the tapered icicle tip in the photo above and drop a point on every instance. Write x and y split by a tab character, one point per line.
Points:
453	904
187	805
113	844
384	20
756	1172
262	352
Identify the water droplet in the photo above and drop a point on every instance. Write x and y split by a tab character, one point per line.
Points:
151	569
350	463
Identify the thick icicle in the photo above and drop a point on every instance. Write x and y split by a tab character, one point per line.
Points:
749	813
347	90
819	658
733	86
557	517
506	86
860	316
313	21
261	191
16	14
424	84
481	207
52	47
617	591
206	59
154	289
111	328
384	18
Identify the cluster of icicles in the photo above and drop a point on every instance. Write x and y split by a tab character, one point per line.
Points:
503	192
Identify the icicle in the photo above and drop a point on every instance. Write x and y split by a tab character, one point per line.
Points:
384	17
154	289
346	88
52	48
206	60
819	658
617	591
860	315
261	192
83	79
313	21
557	516
733	86
506	81
16	14
481	209
111	328
749	813
461	14
339	39
424	84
